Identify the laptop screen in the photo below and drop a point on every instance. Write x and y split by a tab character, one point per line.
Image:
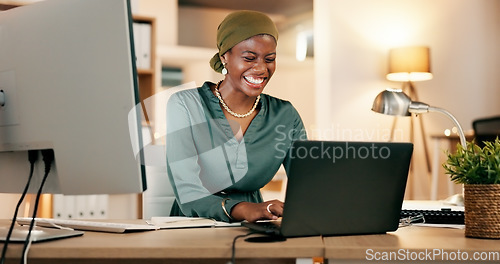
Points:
342	188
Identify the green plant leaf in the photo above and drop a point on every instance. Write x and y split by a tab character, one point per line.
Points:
474	165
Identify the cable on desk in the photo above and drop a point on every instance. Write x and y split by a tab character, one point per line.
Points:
233	248
48	158
32	157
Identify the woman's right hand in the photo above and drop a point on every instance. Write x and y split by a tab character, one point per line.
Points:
252	212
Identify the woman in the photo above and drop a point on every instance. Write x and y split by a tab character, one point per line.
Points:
225	141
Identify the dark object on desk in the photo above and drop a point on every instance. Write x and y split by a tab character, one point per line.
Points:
486	129
344	188
443	216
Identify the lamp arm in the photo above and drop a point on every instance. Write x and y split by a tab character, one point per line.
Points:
455	121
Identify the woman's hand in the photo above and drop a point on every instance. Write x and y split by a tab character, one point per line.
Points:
257	211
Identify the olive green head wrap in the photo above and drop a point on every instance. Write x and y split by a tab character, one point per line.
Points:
239	26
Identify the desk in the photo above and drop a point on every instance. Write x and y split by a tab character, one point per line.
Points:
195	245
410	241
213	245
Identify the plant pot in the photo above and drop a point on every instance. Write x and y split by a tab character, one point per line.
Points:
482	210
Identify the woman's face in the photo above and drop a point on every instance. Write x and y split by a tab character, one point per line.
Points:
250	64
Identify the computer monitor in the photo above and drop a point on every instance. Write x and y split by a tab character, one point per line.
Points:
67	69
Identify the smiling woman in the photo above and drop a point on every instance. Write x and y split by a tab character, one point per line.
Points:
222	145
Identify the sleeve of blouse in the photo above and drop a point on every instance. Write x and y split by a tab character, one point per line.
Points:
298	133
182	163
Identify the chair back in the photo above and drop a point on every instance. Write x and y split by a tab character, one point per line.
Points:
159	197
486	129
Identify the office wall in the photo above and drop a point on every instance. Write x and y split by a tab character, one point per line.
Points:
352	42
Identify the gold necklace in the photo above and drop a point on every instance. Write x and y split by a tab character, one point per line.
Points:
229	110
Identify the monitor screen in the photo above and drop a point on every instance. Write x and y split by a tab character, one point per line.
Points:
67	71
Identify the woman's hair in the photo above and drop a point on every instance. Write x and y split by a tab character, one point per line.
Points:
239	26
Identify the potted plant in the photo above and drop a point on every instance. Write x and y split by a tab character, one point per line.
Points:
479	170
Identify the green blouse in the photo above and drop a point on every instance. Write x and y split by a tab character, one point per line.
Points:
207	163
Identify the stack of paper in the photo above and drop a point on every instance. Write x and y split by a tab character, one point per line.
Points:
165	222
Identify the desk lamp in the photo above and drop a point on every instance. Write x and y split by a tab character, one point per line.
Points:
396	102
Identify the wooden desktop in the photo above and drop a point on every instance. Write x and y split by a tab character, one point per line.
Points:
213	245
191	245
412	244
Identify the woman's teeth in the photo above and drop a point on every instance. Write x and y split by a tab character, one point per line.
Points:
254	80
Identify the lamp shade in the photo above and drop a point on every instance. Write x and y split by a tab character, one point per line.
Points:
409	64
392	102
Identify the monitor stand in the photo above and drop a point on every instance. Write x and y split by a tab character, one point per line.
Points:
38	234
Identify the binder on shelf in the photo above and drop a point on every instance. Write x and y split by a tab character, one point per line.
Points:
80	206
137	31
142	43
64	206
146	45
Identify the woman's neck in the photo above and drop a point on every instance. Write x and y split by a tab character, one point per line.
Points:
235	99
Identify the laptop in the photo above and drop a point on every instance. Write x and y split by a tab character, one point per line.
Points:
342	188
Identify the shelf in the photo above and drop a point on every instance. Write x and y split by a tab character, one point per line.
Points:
145	71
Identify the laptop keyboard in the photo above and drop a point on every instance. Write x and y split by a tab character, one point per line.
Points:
443	216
